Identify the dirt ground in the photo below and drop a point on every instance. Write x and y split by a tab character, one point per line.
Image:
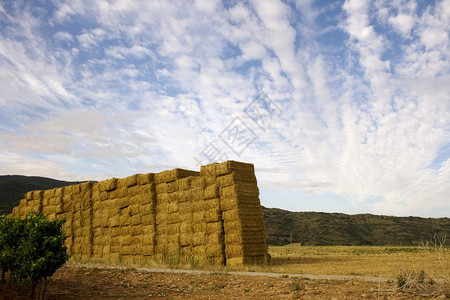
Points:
95	283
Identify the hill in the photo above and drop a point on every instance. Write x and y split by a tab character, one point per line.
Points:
14	187
317	228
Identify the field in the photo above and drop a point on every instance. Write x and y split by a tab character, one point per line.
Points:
292	263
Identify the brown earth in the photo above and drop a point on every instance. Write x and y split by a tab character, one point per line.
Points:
97	283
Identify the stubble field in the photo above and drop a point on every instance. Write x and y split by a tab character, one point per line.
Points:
359	273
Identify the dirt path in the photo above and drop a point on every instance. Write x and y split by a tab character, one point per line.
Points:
239	273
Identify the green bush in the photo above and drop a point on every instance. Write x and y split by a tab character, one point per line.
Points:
32	249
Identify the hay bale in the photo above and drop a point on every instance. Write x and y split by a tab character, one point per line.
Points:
131	180
173	218
215	238
214	227
185	183
198	238
108	185
149	219
199	227
172	186
213	215
245	238
198	182
209	170
211	191
144	179
135	220
172	207
172	175
198	216
231	165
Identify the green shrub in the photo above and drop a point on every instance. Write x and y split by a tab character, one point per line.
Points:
31	250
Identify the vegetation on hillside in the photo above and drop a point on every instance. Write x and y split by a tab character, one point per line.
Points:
14	187
321	229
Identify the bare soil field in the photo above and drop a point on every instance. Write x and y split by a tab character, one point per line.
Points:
89	282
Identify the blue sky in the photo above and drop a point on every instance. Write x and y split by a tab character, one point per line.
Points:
343	106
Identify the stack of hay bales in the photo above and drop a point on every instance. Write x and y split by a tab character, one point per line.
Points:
245	241
171	192
82	219
211	217
31	202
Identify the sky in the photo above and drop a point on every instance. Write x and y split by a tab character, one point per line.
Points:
342	106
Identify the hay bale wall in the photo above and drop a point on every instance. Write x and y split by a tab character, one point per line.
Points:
211	217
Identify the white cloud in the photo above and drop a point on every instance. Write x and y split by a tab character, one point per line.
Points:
403	23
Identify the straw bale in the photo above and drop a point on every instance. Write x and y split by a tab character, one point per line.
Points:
214	227
173	218
173	228
106	249
135	220
209	170
199	227
240	188
230	179
104	195
136	239
185	239
148	209
136	250
161	188
216	261
215	238
213	215
198	216
196	194
49	194
97	222
125	240
133	191
245	238
97	249
185	183
214	250
239	250
211	191
51	217
185	208
115	231
125	250
148	219
148	238
23	202
212	203
76	249
37	195
115	252
148	250
244	202
198	182
229	166
131	180
114	221
134	209
172	186
248	260
108	185
144	179
186	227
161	218
198	238
124	220
172	175
199	251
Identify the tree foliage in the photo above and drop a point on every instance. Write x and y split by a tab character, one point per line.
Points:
32	249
